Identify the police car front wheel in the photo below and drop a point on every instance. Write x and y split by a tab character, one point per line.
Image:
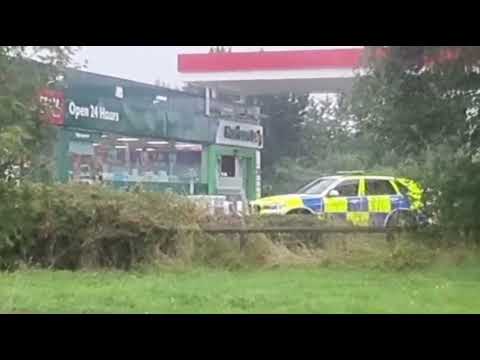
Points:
299	212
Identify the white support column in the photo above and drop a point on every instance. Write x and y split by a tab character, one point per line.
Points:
207	101
258	175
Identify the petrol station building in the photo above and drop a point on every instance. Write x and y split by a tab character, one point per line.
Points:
124	133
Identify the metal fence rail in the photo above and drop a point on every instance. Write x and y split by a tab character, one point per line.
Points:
291	229
247	229
243	231
297	229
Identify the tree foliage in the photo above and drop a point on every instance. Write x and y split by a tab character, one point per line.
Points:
282	128
24	70
409	108
326	140
414	112
423	103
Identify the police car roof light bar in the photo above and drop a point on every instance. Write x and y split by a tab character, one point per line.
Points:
353	172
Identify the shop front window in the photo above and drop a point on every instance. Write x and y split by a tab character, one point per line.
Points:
134	160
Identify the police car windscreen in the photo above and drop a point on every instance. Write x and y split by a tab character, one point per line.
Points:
317	187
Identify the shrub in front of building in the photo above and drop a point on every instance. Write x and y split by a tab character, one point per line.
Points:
74	226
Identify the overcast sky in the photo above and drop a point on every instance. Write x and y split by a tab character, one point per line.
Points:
150	63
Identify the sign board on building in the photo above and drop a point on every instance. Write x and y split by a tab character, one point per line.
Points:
87	108
57	107
54	102
240	134
91	111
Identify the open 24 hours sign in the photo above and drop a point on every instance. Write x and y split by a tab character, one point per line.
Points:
56	109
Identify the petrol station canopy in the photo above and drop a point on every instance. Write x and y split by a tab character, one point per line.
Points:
273	72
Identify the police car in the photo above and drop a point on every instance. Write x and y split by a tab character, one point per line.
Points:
354	198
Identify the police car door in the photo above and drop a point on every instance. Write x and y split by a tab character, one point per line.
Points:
338	207
379	194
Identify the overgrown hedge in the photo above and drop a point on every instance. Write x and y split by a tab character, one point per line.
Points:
71	226
81	227
78	226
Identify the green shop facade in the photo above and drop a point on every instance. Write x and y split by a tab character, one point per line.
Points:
123	133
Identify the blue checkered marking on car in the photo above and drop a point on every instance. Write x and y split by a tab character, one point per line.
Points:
355	204
315	203
400	202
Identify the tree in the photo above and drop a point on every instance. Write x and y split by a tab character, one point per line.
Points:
282	130
327	128
332	140
408	109
423	102
416	97
282	125
24	70
317	138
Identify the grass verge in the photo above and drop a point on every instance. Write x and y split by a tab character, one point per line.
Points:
306	289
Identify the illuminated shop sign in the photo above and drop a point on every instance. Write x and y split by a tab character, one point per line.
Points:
240	134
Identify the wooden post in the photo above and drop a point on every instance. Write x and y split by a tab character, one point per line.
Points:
243	238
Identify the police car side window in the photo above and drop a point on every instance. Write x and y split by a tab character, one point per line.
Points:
379	187
348	188
403	189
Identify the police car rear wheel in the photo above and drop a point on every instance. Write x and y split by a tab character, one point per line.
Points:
402	220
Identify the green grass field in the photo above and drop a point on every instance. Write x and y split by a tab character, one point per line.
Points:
282	290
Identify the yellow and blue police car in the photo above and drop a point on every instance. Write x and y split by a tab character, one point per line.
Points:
355	198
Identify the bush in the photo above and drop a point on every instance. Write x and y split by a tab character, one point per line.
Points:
76	226
68	226
407	255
